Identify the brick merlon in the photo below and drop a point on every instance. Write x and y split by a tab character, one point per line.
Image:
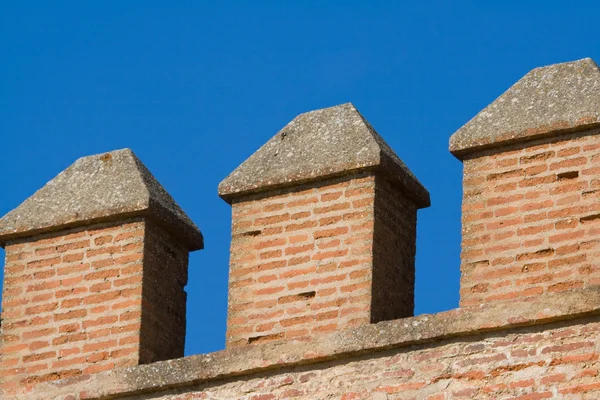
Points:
367	339
547	101
324	143
99	188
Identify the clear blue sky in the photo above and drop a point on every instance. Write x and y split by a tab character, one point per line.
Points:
195	87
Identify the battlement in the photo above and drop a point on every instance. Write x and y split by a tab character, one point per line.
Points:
321	272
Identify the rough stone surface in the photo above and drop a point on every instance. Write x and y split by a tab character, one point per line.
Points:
323	143
464	349
547	100
98	188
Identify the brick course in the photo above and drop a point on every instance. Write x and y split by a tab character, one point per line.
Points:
531	219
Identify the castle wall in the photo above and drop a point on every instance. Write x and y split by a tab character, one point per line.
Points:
321	287
558	361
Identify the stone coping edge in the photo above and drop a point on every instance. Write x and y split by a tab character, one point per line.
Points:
463	152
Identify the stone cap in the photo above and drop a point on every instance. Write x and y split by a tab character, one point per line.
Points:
320	144
99	188
547	101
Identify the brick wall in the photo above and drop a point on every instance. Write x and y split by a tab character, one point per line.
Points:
561	362
165	275
302	259
531	219
73	302
558	361
394	248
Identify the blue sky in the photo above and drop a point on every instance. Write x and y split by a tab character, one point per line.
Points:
196	87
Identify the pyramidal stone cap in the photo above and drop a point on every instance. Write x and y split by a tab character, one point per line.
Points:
320	144
99	188
547	101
